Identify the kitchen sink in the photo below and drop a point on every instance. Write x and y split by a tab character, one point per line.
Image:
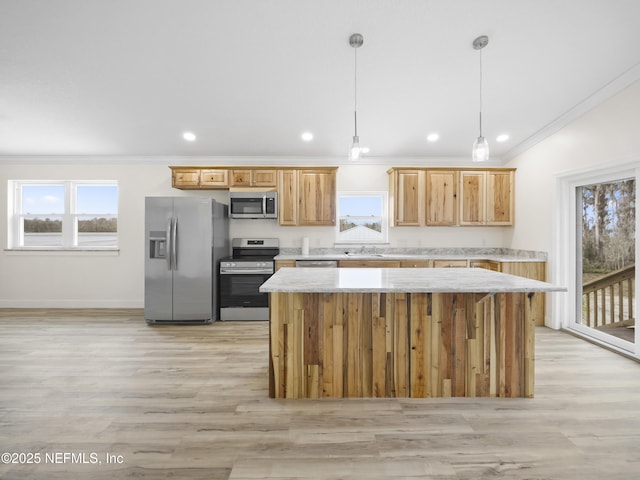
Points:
364	255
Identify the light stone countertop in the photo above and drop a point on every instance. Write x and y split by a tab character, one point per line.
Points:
371	280
494	254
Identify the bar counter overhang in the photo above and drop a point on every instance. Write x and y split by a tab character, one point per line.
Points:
394	332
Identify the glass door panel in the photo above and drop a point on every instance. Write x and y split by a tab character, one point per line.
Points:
606	257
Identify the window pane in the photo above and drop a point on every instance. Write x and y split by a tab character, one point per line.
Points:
96	199
38	199
97	231
97	206
360	206
42	231
361	218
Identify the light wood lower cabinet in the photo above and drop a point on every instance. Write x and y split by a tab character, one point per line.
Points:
285	264
369	263
416	263
488	264
450	264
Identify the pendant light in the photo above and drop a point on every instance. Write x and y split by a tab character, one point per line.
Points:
355	151
480	152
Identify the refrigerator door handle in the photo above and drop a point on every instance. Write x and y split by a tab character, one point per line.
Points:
174	245
169	243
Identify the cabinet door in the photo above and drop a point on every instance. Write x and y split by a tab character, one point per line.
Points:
317	190
499	198
288	197
285	264
409	197
472	198
240	178
185	178
263	178
442	197
535	271
214	178
487	264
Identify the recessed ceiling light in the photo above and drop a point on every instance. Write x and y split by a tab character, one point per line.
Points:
432	137
189	136
502	138
307	136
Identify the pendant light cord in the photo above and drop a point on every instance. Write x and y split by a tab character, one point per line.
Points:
480	92
355	90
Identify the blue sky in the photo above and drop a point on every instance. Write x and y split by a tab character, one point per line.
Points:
49	199
360	206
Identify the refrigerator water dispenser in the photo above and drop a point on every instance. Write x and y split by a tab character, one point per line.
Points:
158	245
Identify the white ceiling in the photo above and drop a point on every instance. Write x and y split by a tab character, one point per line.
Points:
127	77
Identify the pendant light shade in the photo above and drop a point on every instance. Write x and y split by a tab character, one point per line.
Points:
355	151
480	152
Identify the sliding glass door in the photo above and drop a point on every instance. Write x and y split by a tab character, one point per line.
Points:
606	225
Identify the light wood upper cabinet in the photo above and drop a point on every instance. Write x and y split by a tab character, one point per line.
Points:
288	197
500	198
406	197
472	198
253	178
317	194
486	197
214	178
307	197
442	197
195	178
450	196
185	178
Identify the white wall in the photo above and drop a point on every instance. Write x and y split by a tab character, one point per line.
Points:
605	136
70	279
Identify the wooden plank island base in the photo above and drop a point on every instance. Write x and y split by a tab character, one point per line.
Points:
346	343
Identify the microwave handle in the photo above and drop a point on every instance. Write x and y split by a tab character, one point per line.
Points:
264	204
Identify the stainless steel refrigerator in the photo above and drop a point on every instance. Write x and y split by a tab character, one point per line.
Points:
185	238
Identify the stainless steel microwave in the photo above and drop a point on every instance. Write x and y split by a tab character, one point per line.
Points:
248	204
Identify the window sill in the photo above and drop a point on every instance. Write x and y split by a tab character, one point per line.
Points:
106	252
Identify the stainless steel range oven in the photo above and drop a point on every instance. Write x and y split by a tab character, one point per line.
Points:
241	276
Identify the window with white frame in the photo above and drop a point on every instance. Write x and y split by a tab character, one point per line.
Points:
63	214
362	217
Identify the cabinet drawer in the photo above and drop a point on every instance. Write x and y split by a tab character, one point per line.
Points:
416	263
450	264
369	263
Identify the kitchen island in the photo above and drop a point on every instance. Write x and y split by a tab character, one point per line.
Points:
393	332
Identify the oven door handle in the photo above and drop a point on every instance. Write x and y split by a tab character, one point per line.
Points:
245	272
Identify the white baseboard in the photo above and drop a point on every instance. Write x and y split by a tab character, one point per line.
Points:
70	303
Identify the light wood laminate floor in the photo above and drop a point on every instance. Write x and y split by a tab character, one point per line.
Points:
190	402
